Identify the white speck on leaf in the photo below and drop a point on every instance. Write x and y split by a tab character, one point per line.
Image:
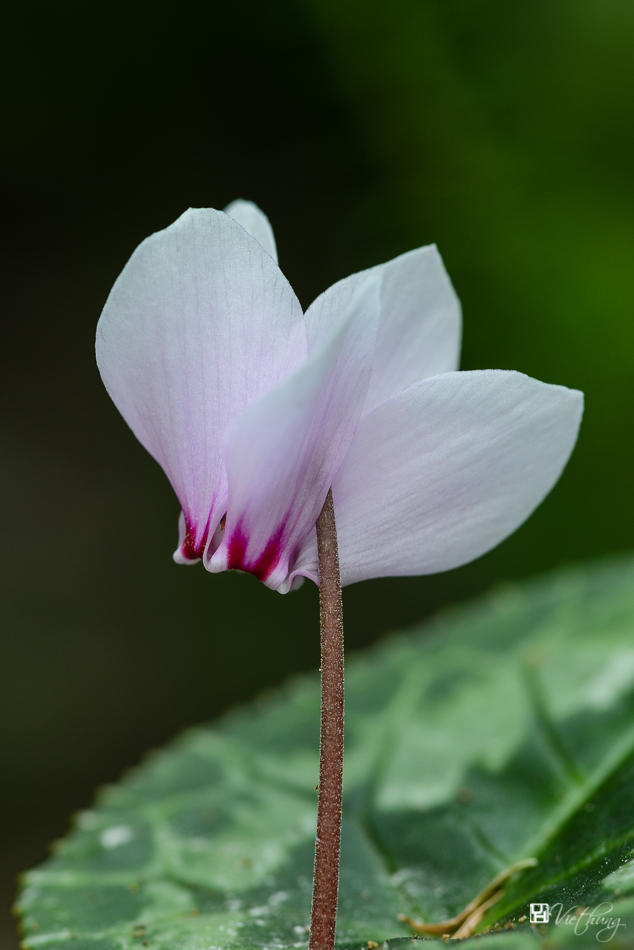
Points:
116	836
278	898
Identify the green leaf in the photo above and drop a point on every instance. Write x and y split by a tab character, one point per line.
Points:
500	731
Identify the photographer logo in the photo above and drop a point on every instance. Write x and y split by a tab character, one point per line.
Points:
540	913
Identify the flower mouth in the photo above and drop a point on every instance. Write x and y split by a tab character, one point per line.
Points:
195	547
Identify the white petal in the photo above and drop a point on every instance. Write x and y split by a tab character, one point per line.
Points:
420	328
200	323
255	222
446	470
306	564
284	451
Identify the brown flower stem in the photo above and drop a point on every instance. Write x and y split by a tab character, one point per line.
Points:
328	842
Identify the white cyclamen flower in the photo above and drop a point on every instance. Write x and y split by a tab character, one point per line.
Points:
254	409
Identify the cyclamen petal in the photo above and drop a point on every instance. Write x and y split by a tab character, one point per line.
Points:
253	411
255	222
446	470
420	326
284	451
200	323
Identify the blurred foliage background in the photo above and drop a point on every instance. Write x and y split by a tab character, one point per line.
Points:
501	131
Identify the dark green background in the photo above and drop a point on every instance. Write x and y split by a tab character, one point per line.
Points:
502	131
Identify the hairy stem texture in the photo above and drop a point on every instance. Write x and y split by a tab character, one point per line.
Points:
328	843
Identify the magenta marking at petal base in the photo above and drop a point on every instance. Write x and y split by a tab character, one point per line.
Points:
189	549
237	550
269	559
265	564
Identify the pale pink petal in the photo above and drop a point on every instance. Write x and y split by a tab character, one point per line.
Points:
255	222
200	323
306	564
444	471
420	327
284	451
